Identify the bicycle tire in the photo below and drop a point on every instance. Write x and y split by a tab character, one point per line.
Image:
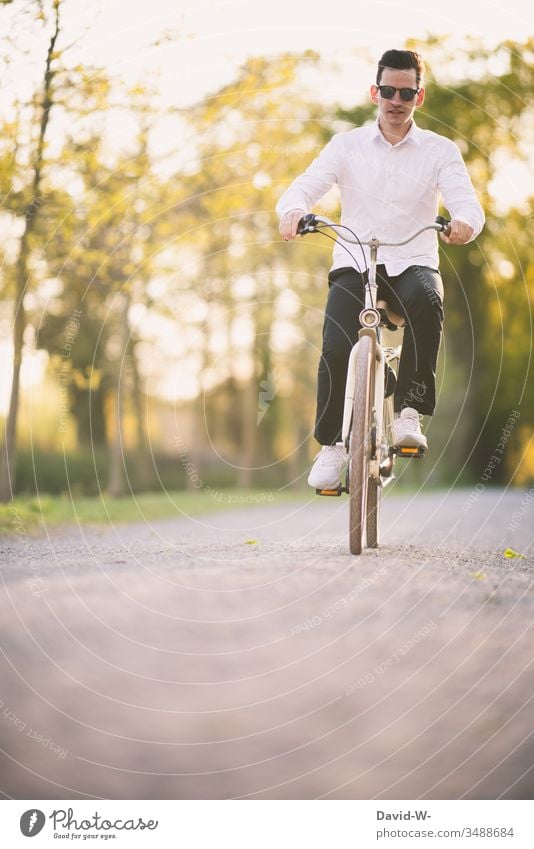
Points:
359	443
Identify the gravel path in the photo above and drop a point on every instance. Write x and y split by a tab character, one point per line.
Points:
248	655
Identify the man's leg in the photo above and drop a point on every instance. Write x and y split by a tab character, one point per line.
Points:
417	294
340	332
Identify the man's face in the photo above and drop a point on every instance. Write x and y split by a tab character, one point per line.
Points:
396	113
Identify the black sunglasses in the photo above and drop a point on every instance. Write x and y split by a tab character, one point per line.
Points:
406	94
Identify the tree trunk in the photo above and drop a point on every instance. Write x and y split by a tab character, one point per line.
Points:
145	474
258	395
87	408
9	453
249	434
117	481
298	460
198	442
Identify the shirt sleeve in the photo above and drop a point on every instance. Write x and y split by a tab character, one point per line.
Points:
459	196
305	191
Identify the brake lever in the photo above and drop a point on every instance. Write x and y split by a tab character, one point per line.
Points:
307	224
444	223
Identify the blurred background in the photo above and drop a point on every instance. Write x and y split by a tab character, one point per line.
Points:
155	330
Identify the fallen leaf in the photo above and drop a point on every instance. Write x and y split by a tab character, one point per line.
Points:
251	542
511	553
479	576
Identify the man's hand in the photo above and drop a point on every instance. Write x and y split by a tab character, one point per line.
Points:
288	223
460	233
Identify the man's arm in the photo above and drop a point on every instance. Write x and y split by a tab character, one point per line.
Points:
459	197
305	191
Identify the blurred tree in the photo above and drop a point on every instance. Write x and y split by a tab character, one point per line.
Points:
102	256
26	206
255	134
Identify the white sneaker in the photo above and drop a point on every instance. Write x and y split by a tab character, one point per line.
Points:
326	471
407	429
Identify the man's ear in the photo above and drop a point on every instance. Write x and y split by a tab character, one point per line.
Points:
374	94
420	99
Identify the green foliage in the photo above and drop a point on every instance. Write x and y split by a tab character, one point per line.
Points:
101	254
87	472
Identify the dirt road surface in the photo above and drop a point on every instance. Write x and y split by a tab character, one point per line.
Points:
247	654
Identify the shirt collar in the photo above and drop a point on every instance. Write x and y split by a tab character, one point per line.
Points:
413	134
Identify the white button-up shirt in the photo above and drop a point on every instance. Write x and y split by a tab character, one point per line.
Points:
389	191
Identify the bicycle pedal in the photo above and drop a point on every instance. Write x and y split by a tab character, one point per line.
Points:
339	490
409	450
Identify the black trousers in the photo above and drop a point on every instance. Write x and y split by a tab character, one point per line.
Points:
417	295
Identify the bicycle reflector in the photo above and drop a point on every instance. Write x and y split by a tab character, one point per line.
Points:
409	451
332	492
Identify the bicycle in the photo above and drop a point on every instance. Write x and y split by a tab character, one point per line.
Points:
368	409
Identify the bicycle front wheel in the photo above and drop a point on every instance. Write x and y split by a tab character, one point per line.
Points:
359	443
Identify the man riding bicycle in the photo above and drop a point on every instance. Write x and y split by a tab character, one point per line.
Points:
390	176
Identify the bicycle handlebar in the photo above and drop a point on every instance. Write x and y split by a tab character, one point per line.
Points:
309	224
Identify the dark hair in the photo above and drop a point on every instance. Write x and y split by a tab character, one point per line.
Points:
401	60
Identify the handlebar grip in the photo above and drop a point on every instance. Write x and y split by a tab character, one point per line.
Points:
445	224
306	224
